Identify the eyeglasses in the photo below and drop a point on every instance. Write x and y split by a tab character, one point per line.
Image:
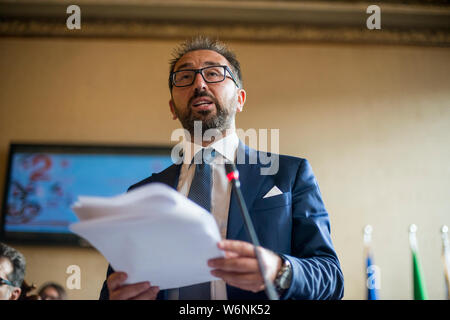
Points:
212	74
7	282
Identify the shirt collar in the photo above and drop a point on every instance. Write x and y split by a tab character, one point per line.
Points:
226	146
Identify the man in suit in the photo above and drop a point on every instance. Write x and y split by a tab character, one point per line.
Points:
285	205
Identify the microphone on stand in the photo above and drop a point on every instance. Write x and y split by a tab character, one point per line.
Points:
233	177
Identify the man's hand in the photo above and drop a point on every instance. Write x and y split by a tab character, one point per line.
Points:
136	291
240	268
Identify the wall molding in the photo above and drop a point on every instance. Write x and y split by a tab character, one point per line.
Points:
409	24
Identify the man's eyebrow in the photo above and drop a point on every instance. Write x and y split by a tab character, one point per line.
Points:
211	63
184	65
190	64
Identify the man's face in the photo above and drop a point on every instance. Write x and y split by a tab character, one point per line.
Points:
7	292
215	104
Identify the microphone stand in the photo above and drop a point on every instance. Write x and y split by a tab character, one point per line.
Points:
233	177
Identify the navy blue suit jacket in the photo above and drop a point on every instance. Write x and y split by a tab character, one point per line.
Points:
294	224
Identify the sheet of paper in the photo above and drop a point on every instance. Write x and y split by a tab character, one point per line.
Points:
152	233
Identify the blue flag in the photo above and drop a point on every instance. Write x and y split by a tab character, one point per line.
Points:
373	279
372	270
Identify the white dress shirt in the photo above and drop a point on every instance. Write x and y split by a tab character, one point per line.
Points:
221	189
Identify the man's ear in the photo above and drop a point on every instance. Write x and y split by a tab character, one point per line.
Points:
172	109
15	294
241	96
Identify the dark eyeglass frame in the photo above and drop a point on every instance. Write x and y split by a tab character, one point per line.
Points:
7	282
226	69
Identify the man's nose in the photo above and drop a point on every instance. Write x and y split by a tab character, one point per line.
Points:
199	82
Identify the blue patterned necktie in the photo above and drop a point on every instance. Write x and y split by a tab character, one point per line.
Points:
200	193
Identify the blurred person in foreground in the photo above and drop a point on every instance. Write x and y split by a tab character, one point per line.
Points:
12	272
52	291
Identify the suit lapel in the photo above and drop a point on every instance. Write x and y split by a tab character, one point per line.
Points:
250	185
169	176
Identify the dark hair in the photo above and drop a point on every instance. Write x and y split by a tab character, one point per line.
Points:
25	292
17	260
61	292
205	43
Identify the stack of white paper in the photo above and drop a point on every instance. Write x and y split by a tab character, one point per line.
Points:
152	233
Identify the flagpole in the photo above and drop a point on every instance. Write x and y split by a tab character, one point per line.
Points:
368	235
372	272
420	292
446	257
367	239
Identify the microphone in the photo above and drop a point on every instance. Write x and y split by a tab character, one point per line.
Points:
233	177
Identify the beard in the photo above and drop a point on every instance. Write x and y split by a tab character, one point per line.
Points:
220	121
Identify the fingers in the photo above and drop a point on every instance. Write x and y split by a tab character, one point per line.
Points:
239	265
242	273
118	291
129	291
229	254
115	280
240	278
150	294
247	281
241	248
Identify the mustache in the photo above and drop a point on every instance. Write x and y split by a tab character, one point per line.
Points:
198	94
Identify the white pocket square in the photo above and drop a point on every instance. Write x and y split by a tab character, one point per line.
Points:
273	192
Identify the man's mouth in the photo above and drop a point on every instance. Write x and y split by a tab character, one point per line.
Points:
202	103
